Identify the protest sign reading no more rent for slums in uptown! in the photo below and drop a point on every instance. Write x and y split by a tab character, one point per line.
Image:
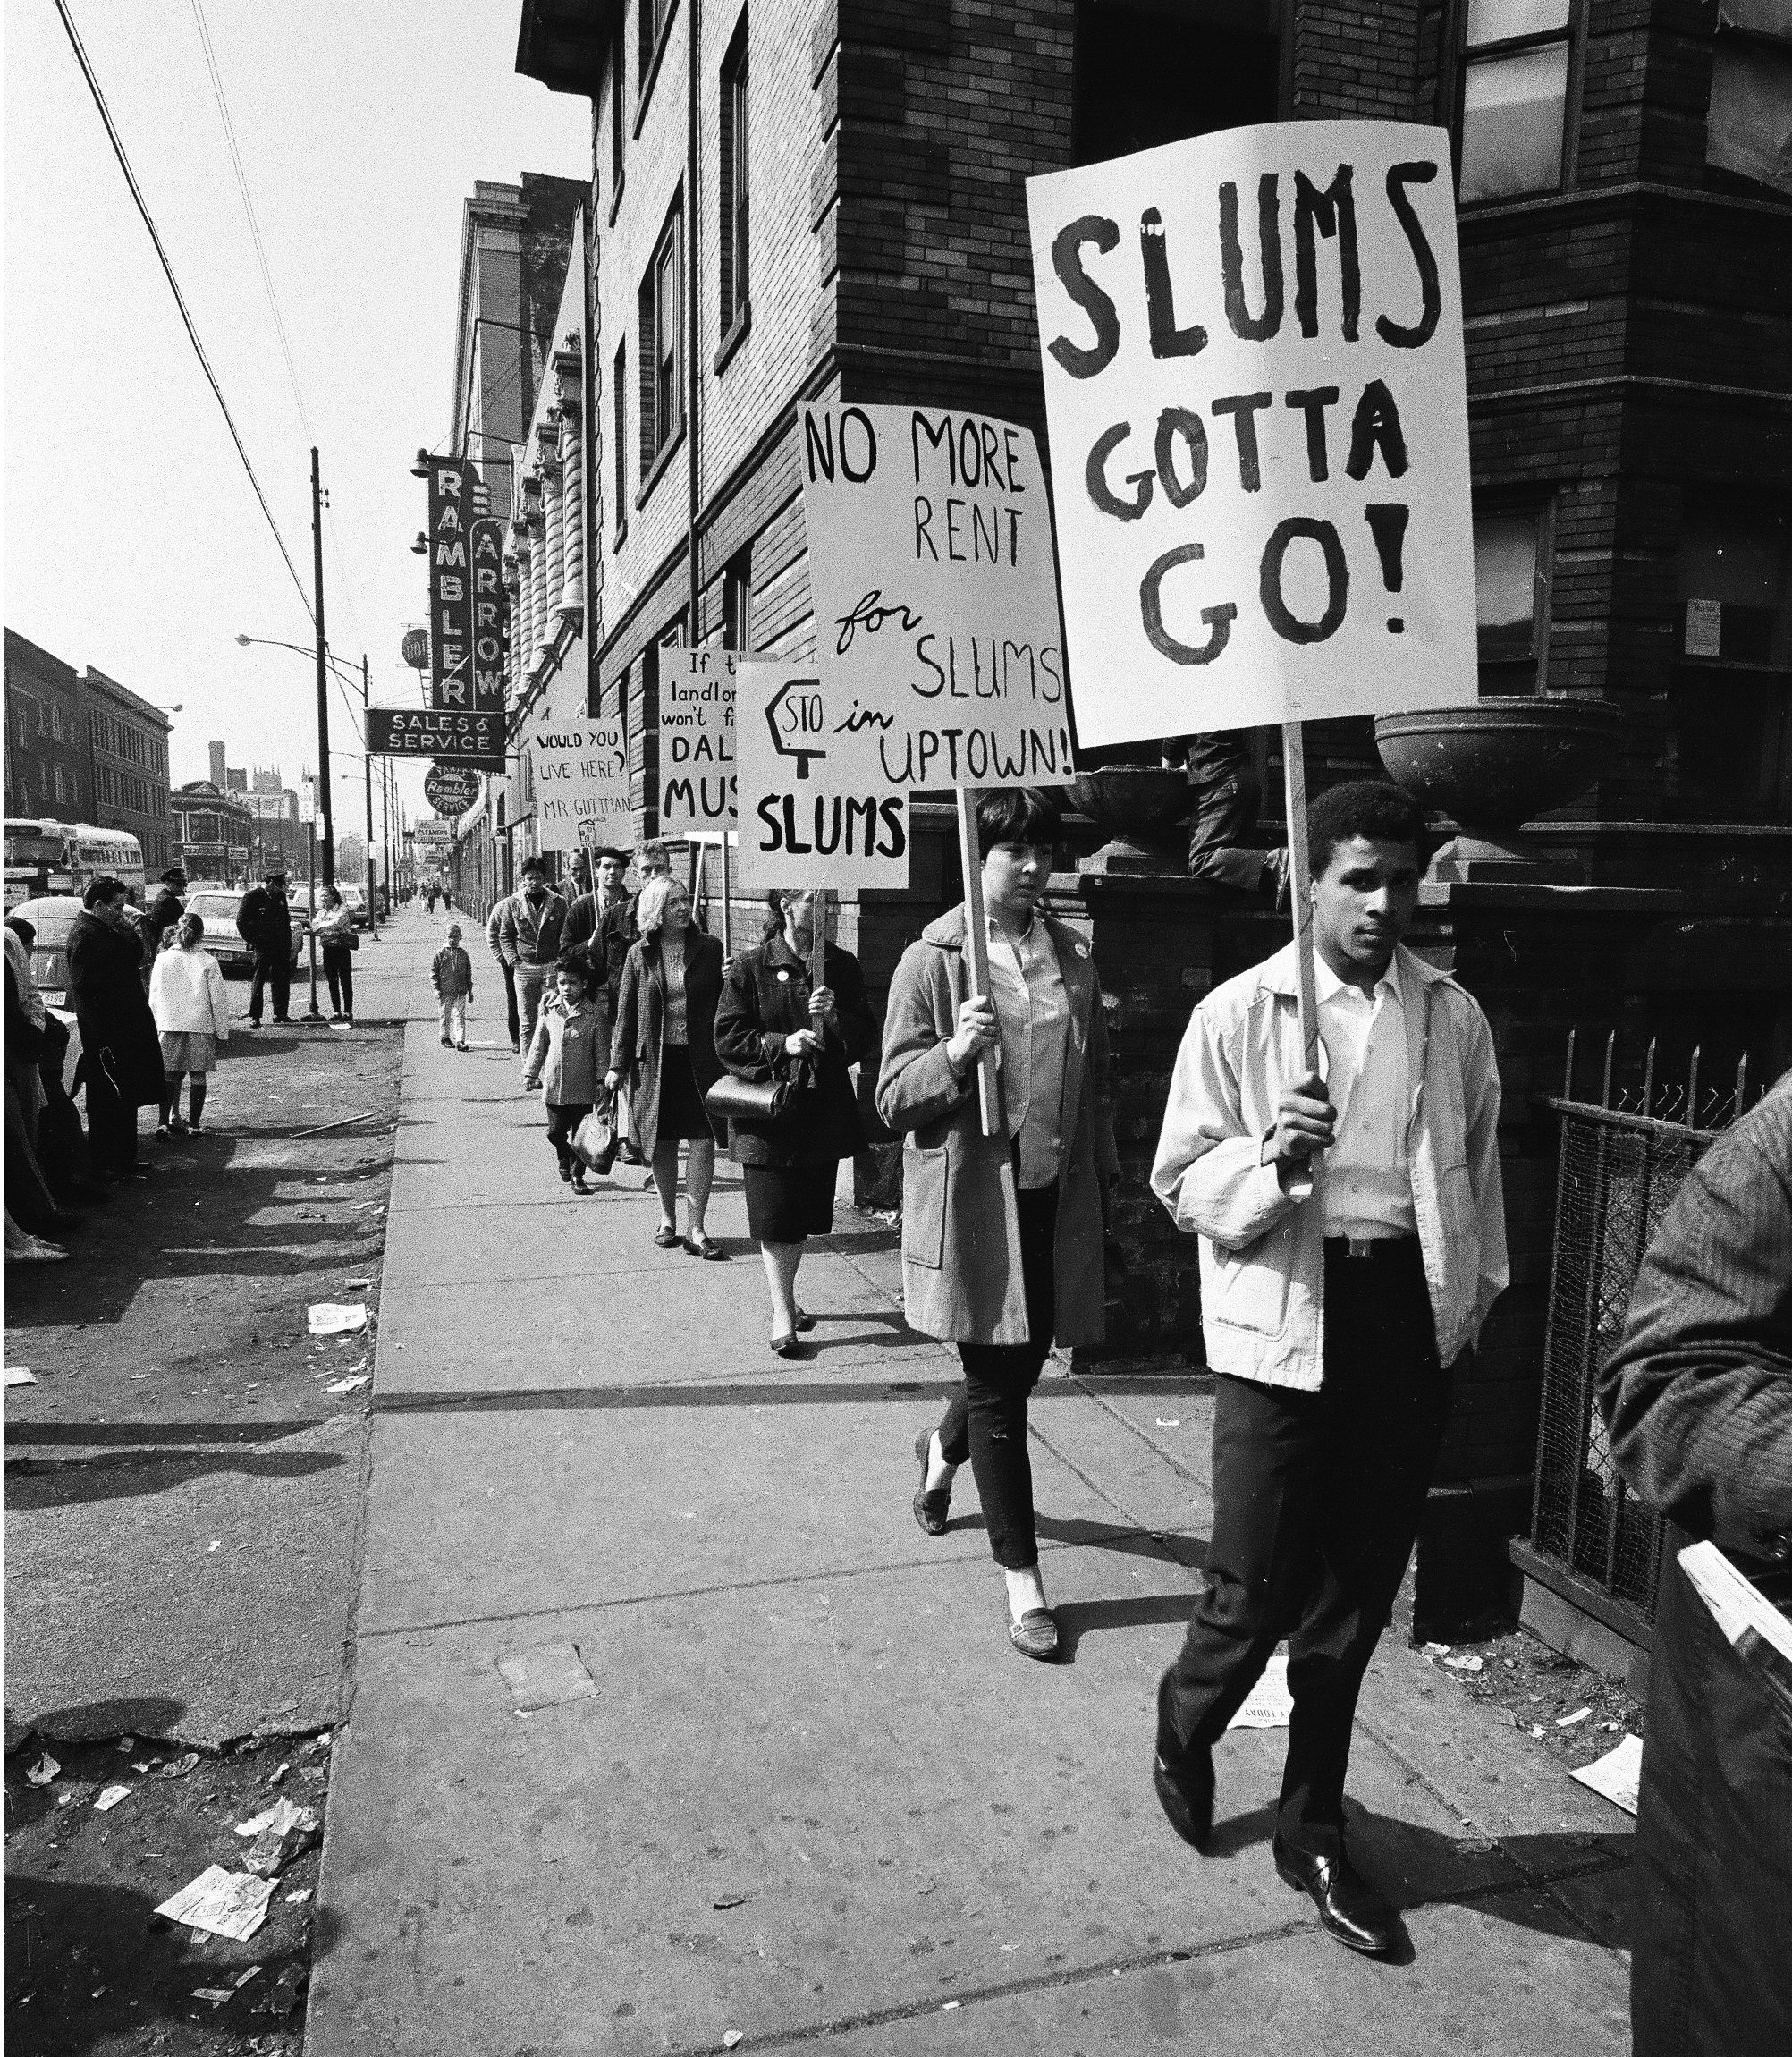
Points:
937	639
1252	344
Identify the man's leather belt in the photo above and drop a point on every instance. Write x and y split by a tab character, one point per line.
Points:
1368	1246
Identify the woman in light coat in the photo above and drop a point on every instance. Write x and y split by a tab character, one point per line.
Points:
333	926
1001	1235
192	1017
664	1053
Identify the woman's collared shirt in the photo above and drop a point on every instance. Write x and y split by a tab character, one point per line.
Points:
1033	1013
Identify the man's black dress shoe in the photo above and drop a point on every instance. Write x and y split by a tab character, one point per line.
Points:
1349	1907
1187	1795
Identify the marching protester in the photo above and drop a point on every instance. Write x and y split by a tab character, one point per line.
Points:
1698	1400
120	1053
529	941
568	1055
333	926
191	1012
617	933
265	923
451	973
1352	1241
494	921
586	914
664	1046
1001	1235
771	1031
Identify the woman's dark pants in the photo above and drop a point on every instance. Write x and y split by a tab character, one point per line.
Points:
1316	1501
988	1420
339	968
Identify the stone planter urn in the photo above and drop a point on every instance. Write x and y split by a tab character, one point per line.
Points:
1140	806
1491	766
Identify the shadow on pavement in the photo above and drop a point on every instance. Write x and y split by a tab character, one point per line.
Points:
39	1484
92	1721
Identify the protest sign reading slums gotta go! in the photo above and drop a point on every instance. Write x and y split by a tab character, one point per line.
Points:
697	783
1254	382
819	810
930	565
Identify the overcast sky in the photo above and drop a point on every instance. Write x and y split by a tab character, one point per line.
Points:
132	538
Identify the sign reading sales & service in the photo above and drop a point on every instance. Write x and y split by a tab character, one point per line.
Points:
1254	382
475	739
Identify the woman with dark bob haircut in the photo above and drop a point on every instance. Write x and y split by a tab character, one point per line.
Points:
769	1026
1002	1234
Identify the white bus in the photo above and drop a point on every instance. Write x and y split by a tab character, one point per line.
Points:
46	857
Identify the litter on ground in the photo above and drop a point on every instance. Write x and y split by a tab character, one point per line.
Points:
1616	1775
1271	1703
547	1676
17	1375
110	1799
233	1904
41	1773
347	1384
1569	1721
336	1317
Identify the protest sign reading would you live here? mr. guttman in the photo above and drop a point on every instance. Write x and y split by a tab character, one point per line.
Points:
1252	346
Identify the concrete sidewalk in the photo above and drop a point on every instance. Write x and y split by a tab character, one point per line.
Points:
816	1797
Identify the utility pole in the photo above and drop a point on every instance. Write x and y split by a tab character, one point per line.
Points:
367	767
323	693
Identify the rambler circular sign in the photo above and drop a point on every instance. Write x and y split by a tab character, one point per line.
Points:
415	648
451	789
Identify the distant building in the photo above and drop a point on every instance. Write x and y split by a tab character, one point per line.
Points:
129	740
216	838
49	770
220	774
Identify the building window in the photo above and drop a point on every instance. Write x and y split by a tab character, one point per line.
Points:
1732	690
1515	81
654	14
1750	121
43	719
737	601
618	119
62	786
734	179
662	307
1509	600
619	408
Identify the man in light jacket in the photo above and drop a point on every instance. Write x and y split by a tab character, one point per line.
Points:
494	922
529	941
1352	1241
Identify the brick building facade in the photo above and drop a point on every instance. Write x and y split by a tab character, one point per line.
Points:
50	765
129	740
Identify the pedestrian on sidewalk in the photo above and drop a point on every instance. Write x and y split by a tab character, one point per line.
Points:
529	941
567	1055
1001	1235
664	1046
493	922
334	928
1698	1399
617	932
265	923
450	972
772	1028
120	1053
165	910
1353	1239
191	1009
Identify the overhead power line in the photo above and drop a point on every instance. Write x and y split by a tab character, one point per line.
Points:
118	150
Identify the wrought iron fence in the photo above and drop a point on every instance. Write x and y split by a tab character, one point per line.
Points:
1622	1160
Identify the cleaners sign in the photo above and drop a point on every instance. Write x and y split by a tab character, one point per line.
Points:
696	775
936	613
819	809
1254	386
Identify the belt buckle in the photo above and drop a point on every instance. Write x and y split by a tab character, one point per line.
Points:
1359	1246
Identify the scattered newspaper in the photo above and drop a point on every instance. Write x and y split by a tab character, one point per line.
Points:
228	1903
1737	1606
1617	1775
1271	1703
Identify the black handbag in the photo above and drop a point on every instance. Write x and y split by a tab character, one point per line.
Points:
767	1104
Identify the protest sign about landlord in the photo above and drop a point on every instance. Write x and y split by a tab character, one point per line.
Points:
1254	384
582	782
816	807
935	607
696	784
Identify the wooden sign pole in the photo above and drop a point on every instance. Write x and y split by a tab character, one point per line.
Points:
818	943
727	899
1300	901
976	947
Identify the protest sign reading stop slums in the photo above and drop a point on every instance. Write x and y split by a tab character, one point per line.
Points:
1252	346
939	659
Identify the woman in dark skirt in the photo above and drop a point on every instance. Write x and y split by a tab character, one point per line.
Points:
768	1025
663	1051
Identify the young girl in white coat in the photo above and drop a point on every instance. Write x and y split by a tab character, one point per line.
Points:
192	1017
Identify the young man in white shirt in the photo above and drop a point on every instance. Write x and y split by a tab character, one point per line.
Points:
1352	1241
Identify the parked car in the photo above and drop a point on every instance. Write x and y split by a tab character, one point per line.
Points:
355	899
216	908
52	917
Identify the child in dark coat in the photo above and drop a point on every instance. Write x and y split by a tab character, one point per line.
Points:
452	975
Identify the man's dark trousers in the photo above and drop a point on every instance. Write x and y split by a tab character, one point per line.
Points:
1316	1501
511	1001
277	973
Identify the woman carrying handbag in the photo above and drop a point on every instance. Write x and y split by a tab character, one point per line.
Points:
788	1050
333	926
